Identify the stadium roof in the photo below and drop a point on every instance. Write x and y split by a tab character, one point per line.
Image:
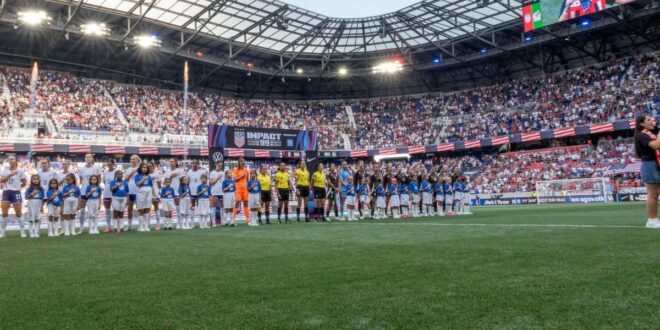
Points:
276	26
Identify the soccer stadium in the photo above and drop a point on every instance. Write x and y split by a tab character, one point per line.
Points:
292	164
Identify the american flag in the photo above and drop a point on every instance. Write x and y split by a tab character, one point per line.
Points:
621	125
148	151
6	147
277	154
628	168
359	153
80	149
601	128
531	136
472	144
179	151
631	123
417	150
232	152
262	153
204	152
499	140
446	147
385	152
61	148
563	132
115	150
42	147
582	130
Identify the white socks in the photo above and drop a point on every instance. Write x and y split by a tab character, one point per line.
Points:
108	218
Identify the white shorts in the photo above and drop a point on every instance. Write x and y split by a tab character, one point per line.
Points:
364	199
144	198
415	198
404	199
119	204
350	201
254	200
458	196
70	206
394	201
229	200
34	210
93	207
449	199
184	205
167	205
53	211
439	198
204	205
427	198
380	202
466	198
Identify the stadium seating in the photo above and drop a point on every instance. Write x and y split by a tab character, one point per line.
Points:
602	93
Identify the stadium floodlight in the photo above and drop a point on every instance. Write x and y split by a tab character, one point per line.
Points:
95	29
146	41
33	17
300	71
342	71
585	22
388	67
528	38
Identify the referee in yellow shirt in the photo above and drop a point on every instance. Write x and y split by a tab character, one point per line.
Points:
302	187
318	187
266	193
282	179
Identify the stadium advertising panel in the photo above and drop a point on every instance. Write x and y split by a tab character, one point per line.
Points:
223	136
540	13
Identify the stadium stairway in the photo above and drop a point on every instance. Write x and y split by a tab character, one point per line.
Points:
351	118
120	114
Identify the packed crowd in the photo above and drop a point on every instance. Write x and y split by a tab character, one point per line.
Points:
615	90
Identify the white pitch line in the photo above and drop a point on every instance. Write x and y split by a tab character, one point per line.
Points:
498	225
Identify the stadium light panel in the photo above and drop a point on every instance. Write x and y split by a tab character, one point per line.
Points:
437	60
585	22
33	17
95	29
484	50
300	71
388	67
528	38
147	41
343	71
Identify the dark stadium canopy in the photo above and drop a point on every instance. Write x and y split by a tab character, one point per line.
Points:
269	49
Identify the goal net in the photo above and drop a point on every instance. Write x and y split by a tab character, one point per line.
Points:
589	190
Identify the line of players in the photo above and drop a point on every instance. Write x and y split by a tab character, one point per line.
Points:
65	196
404	196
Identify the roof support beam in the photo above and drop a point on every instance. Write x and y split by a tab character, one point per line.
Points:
128	32
331	46
248	43
310	35
213	9
63	30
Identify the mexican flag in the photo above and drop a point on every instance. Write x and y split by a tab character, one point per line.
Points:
532	15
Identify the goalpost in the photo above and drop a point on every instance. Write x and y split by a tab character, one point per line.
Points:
590	190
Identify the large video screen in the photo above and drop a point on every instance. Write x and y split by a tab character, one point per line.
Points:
540	13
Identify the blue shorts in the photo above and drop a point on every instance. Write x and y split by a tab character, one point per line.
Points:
12	196
132	197
650	172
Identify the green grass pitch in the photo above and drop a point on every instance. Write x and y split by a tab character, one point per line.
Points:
577	266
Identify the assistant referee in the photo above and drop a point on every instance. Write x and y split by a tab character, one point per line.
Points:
318	187
266	194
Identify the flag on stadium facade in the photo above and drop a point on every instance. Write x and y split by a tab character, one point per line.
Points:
80	149
563	132
621	125
531	136
499	140
185	94
148	151
601	128
6	147
417	150
446	147
582	130
115	150
387	151
359	153
232	152
262	153
41	147
179	151
472	144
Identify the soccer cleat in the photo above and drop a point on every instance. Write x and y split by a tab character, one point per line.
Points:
23	234
653	224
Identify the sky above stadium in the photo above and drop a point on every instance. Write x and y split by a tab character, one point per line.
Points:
351	8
